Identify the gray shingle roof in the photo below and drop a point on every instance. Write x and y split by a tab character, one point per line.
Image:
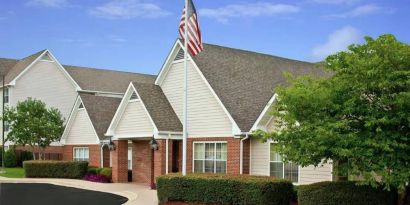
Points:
101	111
20	65
105	80
158	107
244	81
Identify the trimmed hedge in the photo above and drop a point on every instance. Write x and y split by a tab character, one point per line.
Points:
344	193
223	189
10	158
55	169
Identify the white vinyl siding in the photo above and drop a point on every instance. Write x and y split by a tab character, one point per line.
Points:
134	121
312	174
259	158
206	117
46	82
81	130
260	162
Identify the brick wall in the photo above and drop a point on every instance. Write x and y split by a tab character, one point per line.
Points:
141	161
106	156
246	156
233	150
94	153
120	161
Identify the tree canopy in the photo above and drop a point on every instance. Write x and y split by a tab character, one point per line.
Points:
33	124
358	114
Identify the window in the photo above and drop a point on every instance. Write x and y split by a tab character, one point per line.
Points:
134	96
210	157
279	169
6	126
6	95
129	158
80	154
46	57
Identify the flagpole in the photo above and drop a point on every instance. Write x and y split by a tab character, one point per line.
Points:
185	111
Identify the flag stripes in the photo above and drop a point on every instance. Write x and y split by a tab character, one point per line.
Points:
194	33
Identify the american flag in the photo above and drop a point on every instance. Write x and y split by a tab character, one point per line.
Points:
194	33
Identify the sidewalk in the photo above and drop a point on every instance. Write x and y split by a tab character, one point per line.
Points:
137	194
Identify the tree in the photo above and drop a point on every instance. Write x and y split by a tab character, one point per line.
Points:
359	114
33	124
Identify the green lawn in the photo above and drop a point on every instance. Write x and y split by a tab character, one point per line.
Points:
13	173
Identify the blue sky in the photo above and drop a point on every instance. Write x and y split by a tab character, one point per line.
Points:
136	35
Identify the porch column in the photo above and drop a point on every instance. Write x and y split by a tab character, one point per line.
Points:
120	161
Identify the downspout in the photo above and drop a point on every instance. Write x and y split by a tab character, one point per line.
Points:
241	154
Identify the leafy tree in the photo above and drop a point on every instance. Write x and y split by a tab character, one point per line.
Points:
359	114
33	124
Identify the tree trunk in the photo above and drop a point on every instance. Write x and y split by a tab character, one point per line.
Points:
337	175
403	195
32	151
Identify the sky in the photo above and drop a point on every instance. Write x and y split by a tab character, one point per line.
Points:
137	35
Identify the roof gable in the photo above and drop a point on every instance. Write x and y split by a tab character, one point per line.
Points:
21	65
245	81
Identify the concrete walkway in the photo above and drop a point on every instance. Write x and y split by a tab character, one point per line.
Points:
137	194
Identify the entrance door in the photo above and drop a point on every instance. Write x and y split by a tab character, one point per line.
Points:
175	156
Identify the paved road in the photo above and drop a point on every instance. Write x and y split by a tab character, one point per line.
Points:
137	194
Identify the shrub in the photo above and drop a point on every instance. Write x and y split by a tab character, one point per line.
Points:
55	169
344	193
92	170
106	172
222	189
10	159
97	178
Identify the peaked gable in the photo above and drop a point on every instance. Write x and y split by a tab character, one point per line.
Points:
21	65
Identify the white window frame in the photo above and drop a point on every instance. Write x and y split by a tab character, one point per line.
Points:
79	159
129	158
283	165
214	158
6	95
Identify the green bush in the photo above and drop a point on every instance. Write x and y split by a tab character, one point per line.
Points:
10	159
92	170
106	172
55	169
222	189
344	193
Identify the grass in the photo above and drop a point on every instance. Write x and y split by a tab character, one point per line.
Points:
13	173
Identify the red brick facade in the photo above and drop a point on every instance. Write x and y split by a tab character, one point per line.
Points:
94	153
120	161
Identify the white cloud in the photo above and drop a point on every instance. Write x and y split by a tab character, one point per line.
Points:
337	41
336	1
222	14
367	9
128	9
48	3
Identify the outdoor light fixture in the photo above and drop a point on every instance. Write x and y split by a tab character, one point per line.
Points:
154	144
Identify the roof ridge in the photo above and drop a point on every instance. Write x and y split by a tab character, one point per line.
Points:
257	53
105	69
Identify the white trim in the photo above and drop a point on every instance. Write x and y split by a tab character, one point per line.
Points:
81	147
67	75
263	113
166	154
145	108
71	119
214	159
118	113
166	67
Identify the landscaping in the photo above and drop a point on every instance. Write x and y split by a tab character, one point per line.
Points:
96	174
55	169
16	172
223	189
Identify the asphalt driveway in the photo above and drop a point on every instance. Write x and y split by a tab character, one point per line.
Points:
49	194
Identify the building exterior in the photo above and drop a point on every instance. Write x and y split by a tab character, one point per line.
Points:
113	116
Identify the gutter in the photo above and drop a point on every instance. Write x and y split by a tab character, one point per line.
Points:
241	152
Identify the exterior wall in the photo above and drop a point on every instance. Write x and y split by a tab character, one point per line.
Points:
205	115
134	120
246	156
82	130
106	156
141	161
46	82
259	158
120	161
233	150
94	153
260	153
